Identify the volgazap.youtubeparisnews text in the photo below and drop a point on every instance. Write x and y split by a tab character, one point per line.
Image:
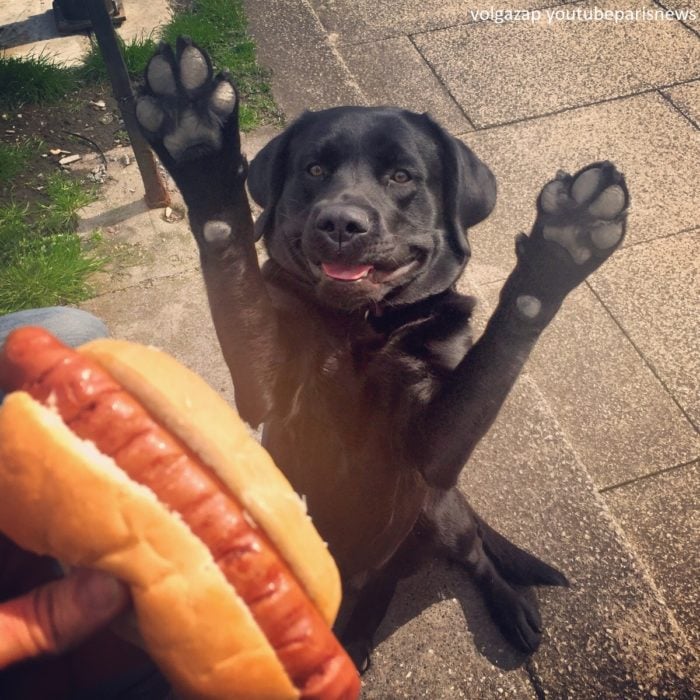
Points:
589	14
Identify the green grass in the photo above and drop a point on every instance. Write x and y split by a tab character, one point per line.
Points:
219	26
14	158
136	54
42	261
65	197
32	79
47	271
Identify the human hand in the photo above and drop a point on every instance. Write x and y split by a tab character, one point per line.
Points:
56	616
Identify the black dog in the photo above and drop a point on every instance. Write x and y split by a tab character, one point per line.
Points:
351	344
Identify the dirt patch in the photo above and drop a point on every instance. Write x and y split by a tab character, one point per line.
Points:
86	122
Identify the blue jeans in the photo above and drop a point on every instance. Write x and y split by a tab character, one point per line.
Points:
71	326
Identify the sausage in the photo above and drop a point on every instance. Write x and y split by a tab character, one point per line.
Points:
97	409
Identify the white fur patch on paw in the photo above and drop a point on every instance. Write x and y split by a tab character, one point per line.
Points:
606	235
216	231
149	114
223	99
567	236
191	132
160	76
194	70
609	204
528	305
586	184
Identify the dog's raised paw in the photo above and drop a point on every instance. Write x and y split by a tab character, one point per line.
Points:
183	108
581	220
585	213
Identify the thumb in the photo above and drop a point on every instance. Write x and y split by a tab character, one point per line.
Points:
59	615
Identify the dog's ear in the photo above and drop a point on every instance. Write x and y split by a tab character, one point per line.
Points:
266	175
468	186
263	172
268	172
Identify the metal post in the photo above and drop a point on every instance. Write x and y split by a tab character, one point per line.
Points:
156	192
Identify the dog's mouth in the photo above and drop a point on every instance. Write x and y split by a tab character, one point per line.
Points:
376	274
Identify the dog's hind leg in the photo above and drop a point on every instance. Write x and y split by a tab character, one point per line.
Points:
190	118
495	564
364	609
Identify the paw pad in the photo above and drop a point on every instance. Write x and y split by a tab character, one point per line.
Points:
194	68
223	99
160	76
149	114
609	203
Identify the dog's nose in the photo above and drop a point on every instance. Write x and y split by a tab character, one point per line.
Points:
340	222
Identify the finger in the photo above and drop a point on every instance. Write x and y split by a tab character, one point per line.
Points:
59	615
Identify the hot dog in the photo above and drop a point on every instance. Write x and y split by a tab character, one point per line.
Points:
118	458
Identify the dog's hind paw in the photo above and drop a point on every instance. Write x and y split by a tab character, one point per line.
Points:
183	109
516	617
581	220
360	651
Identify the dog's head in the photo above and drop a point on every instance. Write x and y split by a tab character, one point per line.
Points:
371	206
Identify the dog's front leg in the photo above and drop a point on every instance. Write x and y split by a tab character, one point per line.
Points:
580	222
190	118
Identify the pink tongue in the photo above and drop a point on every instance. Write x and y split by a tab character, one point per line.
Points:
346	272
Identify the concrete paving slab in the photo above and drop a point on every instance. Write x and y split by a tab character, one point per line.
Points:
617	416
609	635
364	20
566	64
139	243
652	290
29	27
687	99
307	71
661	517
438	641
360	21
688	12
171	313
405	81
649	140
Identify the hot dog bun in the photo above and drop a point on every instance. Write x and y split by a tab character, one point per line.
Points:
203	420
62	497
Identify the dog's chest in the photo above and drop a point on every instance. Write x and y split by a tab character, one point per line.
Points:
358	379
346	394
349	383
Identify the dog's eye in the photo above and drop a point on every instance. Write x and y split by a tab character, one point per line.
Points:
315	170
401	176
